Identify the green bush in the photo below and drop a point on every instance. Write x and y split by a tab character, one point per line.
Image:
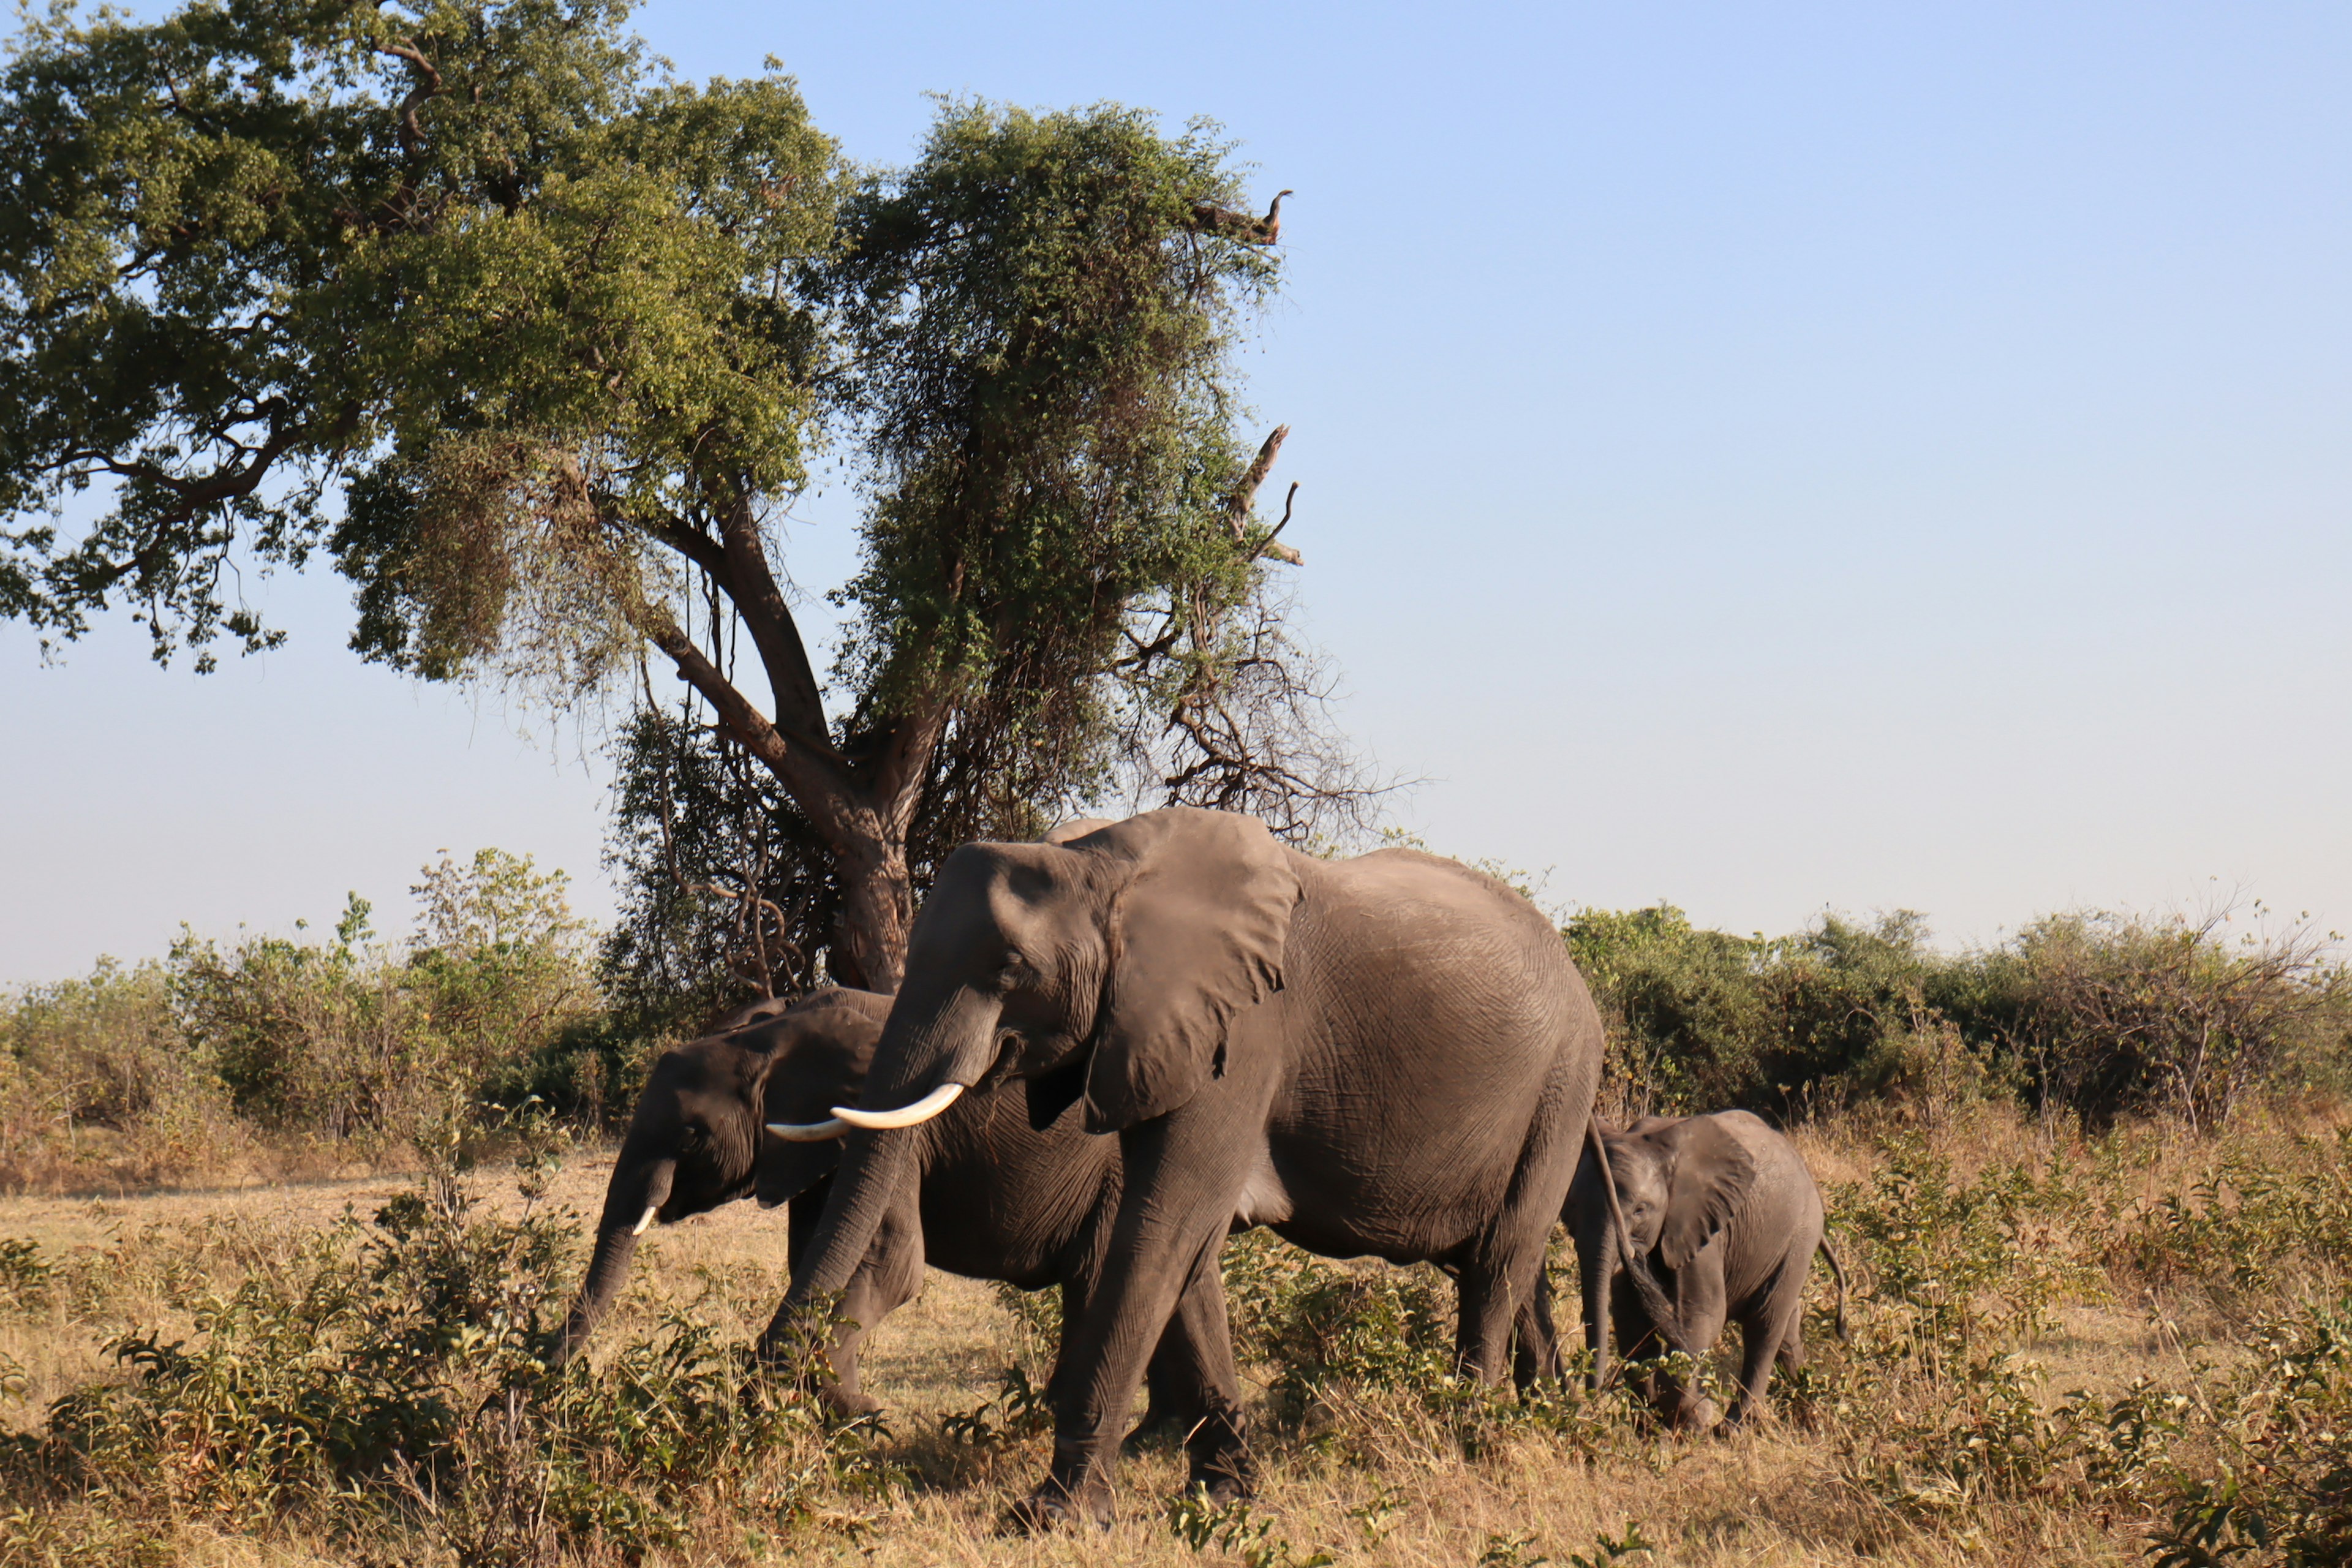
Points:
101	1053
1700	1020
2095	1015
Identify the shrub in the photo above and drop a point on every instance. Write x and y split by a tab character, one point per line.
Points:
2093	1015
106	1054
1960	1268
1701	1019
2103	1014
2281	1491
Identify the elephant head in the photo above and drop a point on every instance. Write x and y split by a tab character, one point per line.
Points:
1103	967
695	1140
1678	1182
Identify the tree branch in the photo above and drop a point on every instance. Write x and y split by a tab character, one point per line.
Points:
1237	505
752	585
822	789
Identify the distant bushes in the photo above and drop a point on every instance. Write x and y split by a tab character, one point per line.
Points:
2098	1015
360	1043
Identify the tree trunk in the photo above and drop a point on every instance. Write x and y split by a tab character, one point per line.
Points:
877	907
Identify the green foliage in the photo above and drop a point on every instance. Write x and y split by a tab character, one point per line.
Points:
2096	1015
175	1066
1036	346
1323	1328
24	1275
2105	1014
1236	1528
1703	1019
97	1070
2243	1219
1956	1266
1988	1434
1608	1548
346	1040
1022	1412
2278	1494
257	239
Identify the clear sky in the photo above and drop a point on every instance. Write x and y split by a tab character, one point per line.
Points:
1766	458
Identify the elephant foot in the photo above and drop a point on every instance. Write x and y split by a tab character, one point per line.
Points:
848	1405
1697	1416
1050	1508
1222	1486
1220	1461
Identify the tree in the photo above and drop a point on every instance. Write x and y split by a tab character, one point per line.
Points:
560	331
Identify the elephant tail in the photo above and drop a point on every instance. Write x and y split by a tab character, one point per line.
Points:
1837	1269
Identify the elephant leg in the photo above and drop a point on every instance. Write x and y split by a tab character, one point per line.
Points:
1191	1384
891	1275
1765	1335
1699	1299
1179	1192
1637	1338
1535	1340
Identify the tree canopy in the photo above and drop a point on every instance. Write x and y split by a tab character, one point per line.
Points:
536	342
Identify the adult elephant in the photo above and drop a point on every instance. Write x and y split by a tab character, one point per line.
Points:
985	1194
1390	1055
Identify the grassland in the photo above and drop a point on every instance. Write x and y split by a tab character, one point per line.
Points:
2063	1350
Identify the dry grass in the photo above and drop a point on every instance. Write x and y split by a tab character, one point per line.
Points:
1373	1476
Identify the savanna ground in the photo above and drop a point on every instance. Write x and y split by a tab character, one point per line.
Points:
2064	1349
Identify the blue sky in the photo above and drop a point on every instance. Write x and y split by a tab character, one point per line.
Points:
1769	458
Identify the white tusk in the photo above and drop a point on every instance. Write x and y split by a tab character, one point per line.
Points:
922	1111
646	1223
809	1132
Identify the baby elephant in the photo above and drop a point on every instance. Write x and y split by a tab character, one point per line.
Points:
1727	1217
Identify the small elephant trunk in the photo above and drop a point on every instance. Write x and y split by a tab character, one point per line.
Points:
636	1188
1596	1265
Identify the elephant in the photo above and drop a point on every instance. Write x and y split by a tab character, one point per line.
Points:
987	1196
1725	1213
1390	1055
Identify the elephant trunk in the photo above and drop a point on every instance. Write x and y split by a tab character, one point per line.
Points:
923	1049
637	1188
1596	1266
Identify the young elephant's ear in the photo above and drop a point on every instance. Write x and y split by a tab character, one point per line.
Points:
1712	1175
1196	911
819	1054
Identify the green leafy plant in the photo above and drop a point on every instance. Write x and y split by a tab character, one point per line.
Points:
1236	1528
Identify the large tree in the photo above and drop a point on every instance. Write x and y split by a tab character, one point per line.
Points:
536	342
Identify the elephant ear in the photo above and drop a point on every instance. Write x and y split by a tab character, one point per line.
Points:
818	1058
1712	1175
1196	915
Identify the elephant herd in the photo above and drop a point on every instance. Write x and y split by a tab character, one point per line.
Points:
1116	1047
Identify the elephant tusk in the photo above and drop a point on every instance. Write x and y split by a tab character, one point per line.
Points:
647	1223
922	1111
810	1132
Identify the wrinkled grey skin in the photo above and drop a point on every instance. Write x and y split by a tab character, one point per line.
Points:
986	1195
1729	1218
1390	1055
